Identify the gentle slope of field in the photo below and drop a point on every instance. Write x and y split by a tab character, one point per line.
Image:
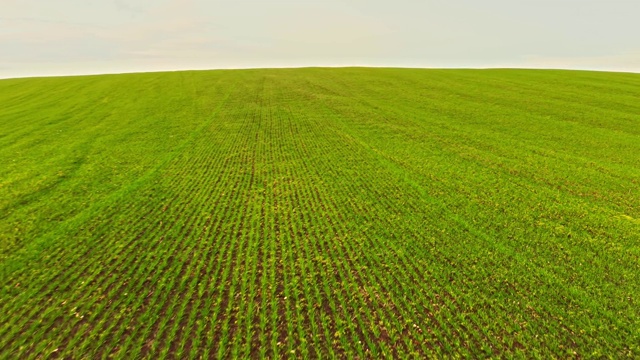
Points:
321	212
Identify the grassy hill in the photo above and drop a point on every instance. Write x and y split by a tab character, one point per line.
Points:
314	213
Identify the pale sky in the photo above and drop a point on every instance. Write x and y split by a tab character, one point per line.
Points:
57	37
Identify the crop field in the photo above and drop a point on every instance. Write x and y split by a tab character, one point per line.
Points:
321	213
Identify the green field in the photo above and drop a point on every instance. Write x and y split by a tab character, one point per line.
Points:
321	213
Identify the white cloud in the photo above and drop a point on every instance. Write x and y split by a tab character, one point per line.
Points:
627	61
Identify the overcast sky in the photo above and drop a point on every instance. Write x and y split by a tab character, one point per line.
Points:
55	37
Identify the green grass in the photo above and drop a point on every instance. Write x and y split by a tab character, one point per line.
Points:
318	213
